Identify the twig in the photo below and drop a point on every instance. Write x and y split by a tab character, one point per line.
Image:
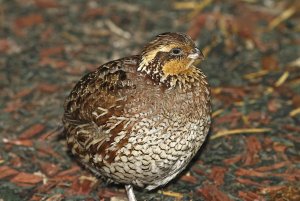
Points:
207	49
117	30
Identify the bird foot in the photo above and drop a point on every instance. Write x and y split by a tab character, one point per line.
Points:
130	193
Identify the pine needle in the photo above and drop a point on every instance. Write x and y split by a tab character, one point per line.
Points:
195	6
284	16
191	5
282	79
239	131
216	113
294	112
257	74
177	196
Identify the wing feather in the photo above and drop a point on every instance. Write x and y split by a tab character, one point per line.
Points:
94	106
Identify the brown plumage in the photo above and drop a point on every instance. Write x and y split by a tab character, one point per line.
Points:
139	120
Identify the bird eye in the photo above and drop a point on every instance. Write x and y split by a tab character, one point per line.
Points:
176	51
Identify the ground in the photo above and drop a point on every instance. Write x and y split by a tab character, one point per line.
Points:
251	60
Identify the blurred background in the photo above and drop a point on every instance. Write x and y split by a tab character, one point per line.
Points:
252	63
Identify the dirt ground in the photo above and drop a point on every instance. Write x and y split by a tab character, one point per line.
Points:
252	62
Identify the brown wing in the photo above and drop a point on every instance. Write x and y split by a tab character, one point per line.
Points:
94	105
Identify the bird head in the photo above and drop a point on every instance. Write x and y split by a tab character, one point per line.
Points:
169	55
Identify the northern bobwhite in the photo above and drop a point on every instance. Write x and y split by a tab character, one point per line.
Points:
139	120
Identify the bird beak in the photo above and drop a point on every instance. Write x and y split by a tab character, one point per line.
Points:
196	54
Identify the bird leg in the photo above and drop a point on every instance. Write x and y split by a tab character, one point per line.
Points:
130	193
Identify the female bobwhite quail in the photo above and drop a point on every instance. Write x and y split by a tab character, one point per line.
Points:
139	120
